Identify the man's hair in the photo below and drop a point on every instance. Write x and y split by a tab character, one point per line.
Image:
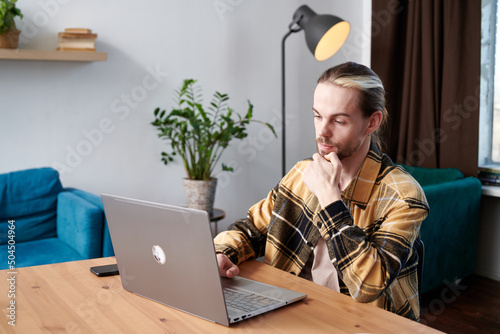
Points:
370	88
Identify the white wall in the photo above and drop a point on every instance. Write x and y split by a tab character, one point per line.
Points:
50	109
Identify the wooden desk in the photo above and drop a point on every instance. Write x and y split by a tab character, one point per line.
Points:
68	298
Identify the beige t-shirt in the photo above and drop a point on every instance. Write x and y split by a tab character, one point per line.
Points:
322	271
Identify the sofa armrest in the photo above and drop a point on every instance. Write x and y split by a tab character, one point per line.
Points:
107	246
80	224
450	230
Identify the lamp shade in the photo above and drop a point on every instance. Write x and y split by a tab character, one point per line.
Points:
325	34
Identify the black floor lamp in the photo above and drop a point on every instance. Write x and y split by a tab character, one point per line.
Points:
325	35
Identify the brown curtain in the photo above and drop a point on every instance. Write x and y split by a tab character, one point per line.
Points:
427	53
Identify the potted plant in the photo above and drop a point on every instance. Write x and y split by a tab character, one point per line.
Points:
200	137
9	34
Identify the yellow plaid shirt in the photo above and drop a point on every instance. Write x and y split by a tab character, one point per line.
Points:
372	235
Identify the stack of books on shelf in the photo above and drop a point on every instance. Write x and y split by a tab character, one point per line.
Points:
76	39
490	175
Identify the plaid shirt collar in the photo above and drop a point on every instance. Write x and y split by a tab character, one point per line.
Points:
360	188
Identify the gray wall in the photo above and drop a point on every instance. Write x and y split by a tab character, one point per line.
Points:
91	120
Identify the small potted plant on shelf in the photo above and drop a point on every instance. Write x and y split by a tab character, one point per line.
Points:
200	137
9	34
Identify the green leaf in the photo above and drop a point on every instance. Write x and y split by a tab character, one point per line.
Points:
272	129
227	168
250	111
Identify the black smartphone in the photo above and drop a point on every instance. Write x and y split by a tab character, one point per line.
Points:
106	270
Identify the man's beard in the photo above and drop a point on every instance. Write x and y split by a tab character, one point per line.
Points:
341	150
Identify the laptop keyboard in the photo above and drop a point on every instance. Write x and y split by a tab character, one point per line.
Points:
246	301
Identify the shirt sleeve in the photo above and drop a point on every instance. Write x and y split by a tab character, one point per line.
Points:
246	238
368	265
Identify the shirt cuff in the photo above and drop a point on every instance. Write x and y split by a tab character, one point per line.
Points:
227	250
330	218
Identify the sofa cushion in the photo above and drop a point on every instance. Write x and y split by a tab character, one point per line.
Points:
428	176
38	252
30	198
29	228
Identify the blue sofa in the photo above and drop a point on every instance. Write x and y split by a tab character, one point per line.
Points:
450	230
47	223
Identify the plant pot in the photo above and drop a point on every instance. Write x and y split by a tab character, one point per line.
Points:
10	38
200	194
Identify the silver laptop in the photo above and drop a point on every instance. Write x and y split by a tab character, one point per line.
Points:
166	253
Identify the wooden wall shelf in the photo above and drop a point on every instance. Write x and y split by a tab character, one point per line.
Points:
52	55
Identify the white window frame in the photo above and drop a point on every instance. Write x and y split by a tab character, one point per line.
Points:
489	17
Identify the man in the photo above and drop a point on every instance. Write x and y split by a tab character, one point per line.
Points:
348	219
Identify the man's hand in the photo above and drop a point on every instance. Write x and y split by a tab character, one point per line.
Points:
322	177
226	267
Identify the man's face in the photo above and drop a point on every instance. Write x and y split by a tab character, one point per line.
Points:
338	120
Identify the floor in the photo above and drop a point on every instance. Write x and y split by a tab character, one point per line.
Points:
471	306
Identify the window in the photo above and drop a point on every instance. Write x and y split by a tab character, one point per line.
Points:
489	131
